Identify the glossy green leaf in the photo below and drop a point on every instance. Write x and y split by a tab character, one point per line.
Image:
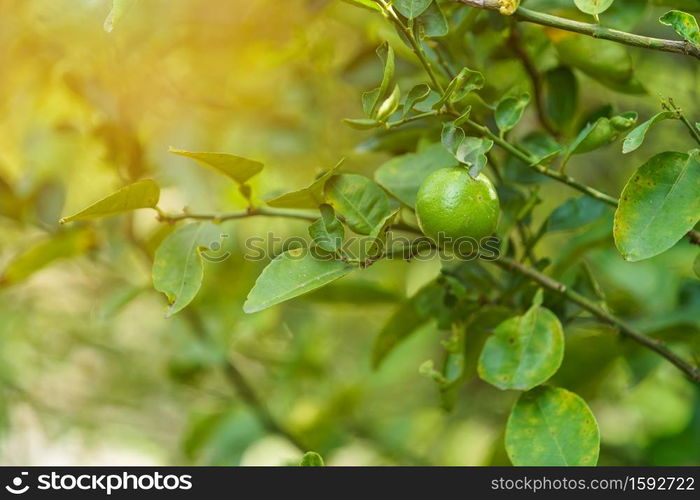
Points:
432	22
142	194
63	245
658	206
416	95
550	426
636	137
524	351
359	200
402	175
178	269
593	7
684	24
293	273
411	8
309	197
560	95
311	459
466	149
235	167
509	111
117	13
576	212
327	232
389	106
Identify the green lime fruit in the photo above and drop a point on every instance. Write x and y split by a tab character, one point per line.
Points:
452	204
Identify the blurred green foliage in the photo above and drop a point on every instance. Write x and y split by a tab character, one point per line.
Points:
92	372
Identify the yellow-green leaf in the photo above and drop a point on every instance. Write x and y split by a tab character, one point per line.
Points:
178	269
524	351
359	200
658	206
235	167
593	7
684	24
142	194
549	426
309	197
327	232
293	273
636	137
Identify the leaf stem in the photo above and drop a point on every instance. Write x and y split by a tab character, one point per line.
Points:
415	44
592	30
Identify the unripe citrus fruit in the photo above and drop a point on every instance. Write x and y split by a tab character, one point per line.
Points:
453	204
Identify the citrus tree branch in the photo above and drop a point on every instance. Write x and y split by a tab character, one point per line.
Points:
250	212
592	30
626	330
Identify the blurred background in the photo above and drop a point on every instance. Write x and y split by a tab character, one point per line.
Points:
90	370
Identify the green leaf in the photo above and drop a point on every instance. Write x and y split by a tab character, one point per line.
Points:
561	95
635	138
359	200
293	273
432	23
696	266
461	86
117	13
601	132
311	459
684	24
468	150
142	194
509	111
63	245
367	4
377	237
550	426
417	94
576	212
390	105
659	204
327	232
369	98
361	123
178	269
309	197
386	55
411	8
407	319
403	175
593	7
524	351
235	167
